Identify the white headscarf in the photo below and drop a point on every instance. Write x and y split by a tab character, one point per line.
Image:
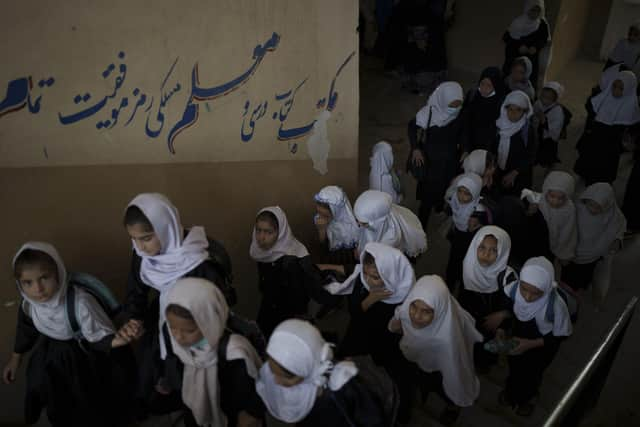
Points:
343	231
382	176
478	278
625	51
596	233
394	269
539	272
618	111
476	162
522	26
177	256
526	86
609	75
287	244
553	112
387	223
507	128
446	345
462	212
50	317
297	346
561	222
438	104
200	385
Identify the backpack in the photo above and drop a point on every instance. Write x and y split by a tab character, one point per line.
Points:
568	115
221	261
569	296
247	328
95	288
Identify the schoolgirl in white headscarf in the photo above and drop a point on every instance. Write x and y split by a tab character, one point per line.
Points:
383	222
461	212
484	279
624	110
523	85
438	106
286	244
507	128
627	50
342	231
382	176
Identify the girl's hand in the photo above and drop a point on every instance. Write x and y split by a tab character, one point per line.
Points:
246	420
132	330
493	321
417	157
375	295
395	326
10	370
509	179
473	224
525	345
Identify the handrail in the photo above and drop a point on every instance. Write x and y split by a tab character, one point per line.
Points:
565	411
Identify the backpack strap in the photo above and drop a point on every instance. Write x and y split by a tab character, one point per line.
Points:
70	306
512	292
223	344
550	314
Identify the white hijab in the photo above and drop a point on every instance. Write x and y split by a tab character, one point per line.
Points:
625	51
343	231
387	223
507	128
554	113
462	212
382	176
438	105
297	346
200	385
287	244
561	222
618	111
539	273
178	255
522	26
446	345
596	233
478	278
609	75
394	269
50	317
476	162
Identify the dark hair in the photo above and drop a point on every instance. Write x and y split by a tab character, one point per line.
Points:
368	259
134	215
33	258
268	216
180	311
323	205
520	62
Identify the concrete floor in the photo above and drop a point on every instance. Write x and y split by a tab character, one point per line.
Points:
385	110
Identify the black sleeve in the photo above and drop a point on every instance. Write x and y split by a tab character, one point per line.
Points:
314	282
104	345
297	287
239	390
541	36
412	132
465	138
135	306
529	157
551	342
359	404
26	333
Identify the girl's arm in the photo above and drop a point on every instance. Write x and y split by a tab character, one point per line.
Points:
26	337
525	345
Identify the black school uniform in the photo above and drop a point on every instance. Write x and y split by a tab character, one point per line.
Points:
352	405
537	39
479	116
441	152
523	150
631	205
77	386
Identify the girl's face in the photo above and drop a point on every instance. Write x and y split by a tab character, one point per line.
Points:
38	283
617	89
455	104
487	251
518	73
146	241
421	314
556	199
529	292
633	35
324	212
185	331
548	97
266	235
534	13
593	207
486	87
464	195
514	113
372	277
282	376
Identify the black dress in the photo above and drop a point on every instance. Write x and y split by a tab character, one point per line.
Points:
631	206
523	150
441	153
537	39
76	385
351	405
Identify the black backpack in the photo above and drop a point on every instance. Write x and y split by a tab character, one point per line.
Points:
563	291
247	328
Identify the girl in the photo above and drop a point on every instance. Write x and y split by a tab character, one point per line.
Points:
164	251
382	177
556	205
337	226
483	164
484	274
301	384
517	143
217	379
549	120
439	126
69	376
438	336
627	50
520	77
601	227
464	200
610	114
481	110
527	35
382	221
537	333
